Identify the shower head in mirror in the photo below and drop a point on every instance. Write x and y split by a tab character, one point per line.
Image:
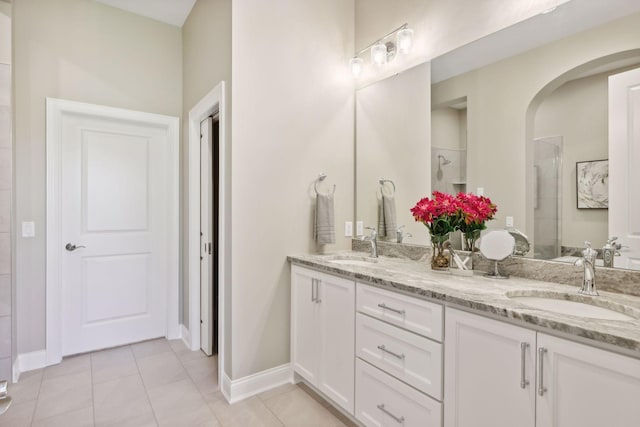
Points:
442	160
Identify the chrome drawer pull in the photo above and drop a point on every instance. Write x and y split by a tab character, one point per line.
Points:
541	387
523	354
395	310
399	420
383	348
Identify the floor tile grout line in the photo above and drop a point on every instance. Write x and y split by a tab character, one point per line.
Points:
146	391
93	395
196	386
33	415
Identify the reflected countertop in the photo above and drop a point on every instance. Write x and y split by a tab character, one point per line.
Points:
492	297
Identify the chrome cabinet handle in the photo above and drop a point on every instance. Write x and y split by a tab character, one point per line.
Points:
71	247
541	387
313	290
318	300
383	348
395	310
398	419
524	382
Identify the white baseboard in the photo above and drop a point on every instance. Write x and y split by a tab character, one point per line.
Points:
28	362
242	388
186	336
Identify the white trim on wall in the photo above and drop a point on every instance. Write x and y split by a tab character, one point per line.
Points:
243	388
29	362
213	102
55	110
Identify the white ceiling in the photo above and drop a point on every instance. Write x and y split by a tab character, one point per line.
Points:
172	12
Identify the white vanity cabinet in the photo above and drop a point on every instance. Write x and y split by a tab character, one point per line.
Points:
399	359
323	333
497	374
489	372
585	386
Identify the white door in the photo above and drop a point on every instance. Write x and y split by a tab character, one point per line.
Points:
116	209
624	158
336	320
304	323
586	387
206	235
489	373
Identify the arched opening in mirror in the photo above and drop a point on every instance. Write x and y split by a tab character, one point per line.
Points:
567	158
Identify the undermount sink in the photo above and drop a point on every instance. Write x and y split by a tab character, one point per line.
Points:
574	305
353	260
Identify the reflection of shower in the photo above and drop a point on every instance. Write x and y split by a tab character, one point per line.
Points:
442	161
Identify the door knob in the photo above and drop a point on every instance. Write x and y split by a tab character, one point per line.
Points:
71	247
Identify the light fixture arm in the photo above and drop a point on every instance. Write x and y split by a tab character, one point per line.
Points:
402	27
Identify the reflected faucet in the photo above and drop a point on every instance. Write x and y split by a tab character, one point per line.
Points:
401	235
588	263
373	238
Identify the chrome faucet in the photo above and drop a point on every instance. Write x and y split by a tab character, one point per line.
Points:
588	263
373	238
401	235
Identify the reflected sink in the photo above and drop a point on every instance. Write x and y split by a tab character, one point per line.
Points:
353	260
575	305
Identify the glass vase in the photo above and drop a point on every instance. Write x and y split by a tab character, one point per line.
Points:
470	239
439	260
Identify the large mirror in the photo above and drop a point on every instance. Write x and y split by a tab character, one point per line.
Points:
523	115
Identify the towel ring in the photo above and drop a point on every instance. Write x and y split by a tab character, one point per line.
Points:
321	178
383	181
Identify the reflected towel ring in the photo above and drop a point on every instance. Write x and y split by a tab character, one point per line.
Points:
383	181
321	178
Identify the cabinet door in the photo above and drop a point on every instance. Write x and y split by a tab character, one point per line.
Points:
485	364
586	387
304	324
337	338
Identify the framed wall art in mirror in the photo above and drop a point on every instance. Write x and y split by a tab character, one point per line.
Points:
592	183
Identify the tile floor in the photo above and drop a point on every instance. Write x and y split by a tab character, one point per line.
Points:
153	383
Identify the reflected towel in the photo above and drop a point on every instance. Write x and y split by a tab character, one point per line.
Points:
324	229
387	223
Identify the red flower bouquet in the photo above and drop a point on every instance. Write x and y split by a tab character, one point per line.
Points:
475	212
445	213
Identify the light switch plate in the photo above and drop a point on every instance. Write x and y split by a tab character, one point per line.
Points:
28	229
509	221
359	228
348	229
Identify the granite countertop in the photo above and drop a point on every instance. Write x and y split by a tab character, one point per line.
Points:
491	296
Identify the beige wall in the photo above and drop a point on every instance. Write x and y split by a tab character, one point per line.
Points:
7	345
499	97
440	26
206	56
392	141
292	119
5	33
83	51
448	128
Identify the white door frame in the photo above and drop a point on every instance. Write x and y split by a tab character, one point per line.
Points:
213	102
56	109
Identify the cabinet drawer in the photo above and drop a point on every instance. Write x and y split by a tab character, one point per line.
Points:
421	317
382	400
409	357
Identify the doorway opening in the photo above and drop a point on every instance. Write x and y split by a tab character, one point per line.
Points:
209	223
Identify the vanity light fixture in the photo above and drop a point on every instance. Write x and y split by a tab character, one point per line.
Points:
356	65
383	50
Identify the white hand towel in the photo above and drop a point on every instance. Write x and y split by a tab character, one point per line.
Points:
324	229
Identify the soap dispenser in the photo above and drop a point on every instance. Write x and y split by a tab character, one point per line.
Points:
609	252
